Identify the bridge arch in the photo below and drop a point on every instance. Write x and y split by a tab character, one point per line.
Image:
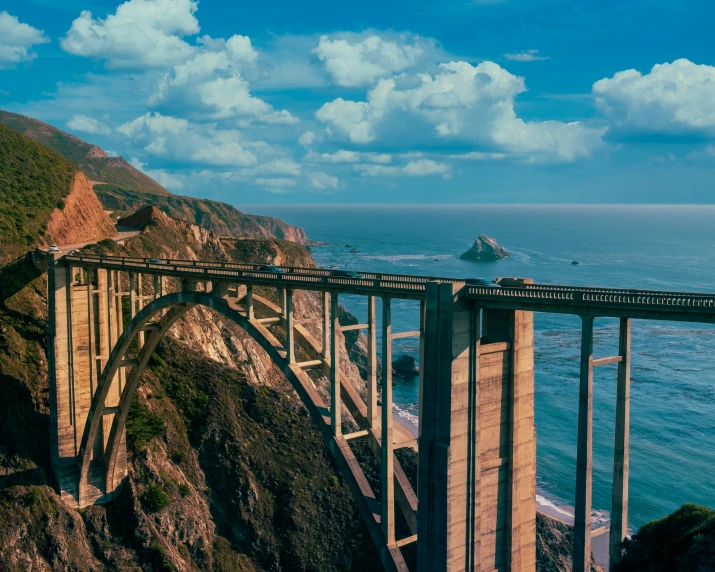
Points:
168	309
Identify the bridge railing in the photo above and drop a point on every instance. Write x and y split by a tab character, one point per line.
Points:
567	296
294	270
379	283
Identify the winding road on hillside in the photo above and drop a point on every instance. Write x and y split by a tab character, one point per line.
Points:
123	233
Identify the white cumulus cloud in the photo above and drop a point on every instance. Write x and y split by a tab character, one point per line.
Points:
673	99
526	56
352	61
323	181
85	124
140	34
212	84
460	103
17	40
415	168
344	156
177	139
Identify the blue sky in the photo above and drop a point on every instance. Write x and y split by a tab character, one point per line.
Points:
513	101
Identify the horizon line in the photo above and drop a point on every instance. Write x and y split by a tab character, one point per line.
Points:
432	205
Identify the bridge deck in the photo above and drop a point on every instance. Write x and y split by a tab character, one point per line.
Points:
598	302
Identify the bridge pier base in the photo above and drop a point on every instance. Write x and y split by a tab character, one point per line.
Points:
477	447
84	318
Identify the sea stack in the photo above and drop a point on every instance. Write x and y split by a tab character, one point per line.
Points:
405	366
485	249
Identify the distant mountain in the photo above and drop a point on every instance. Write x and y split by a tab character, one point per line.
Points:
43	199
93	161
124	190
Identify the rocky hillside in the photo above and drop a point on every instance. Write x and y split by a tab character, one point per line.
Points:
43	198
123	189
92	160
221	218
227	471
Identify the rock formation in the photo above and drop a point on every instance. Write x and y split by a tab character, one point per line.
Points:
405	366
484	249
82	219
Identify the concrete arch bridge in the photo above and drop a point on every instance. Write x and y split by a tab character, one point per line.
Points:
474	507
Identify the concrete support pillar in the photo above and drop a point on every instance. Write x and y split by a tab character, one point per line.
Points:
94	371
619	504
423	309
249	303
387	475
82	310
326	325
290	325
59	344
372	410
584	455
335	401
139	306
477	450
443	443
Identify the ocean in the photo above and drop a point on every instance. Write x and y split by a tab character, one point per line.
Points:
673	365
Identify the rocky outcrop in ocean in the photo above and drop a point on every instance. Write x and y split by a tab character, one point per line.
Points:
485	249
405	366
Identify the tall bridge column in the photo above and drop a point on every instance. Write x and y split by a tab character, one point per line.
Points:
477	472
82	309
619	505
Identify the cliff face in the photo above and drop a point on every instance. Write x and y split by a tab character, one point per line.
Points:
82	218
227	471
220	218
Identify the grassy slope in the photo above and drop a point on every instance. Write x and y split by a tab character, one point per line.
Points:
33	181
126	189
92	160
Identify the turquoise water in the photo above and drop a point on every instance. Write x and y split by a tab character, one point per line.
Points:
673	365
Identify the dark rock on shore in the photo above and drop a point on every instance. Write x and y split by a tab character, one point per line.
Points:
485	249
575	263
405	366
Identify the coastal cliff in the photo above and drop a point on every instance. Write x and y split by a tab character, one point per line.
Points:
226	469
81	218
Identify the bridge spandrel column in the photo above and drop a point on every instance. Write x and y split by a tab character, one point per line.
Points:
477	480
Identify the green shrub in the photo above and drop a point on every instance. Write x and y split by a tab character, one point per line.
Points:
143	426
155	498
184	489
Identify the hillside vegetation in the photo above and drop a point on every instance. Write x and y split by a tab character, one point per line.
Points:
683	541
33	181
221	218
123	189
92	160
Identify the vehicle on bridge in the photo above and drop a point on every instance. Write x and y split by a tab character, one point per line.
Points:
157	261
481	282
345	274
272	269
